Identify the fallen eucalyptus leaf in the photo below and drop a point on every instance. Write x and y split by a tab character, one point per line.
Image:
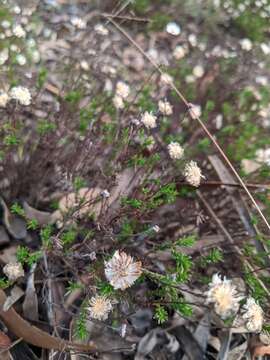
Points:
15	294
30	303
15	225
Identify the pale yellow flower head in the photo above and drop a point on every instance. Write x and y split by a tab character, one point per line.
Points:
224	295
122	271
253	315
100	307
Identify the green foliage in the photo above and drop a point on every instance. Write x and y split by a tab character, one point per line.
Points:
44	127
135	203
25	257
104	288
183	266
42	77
72	286
214	256
69	236
46	234
79	183
4	283
127	229
187	241
11	140
32	224
258	293
161	314
17	209
80	325
74	96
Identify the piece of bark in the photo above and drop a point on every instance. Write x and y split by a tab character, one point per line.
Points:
33	335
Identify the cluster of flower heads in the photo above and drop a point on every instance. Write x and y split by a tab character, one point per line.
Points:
121	271
18	93
226	298
192	172
15	27
121	94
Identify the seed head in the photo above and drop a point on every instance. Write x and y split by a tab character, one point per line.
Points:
122	271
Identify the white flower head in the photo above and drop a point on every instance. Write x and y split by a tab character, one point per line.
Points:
223	294
36	56
6	24
179	52
149	120
3	56
246	44
105	193
101	30
155	228
253	314
4	98
122	271
22	94
173	28
118	102
19	31
195	111
21	59
175	150
100	307
13	270
122	89
192	38
78	22
193	173
166	79
165	107
198	71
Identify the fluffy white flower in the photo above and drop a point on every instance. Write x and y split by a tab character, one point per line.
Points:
179	52
246	44
84	65
223	294
4	98
190	79
265	48
219	121
195	111
122	89
3	56
166	79
175	150
263	156
19	31
36	56
198	71
13	270
118	102
173	28
192	38
105	193
100	307
101	30
253	314
22	94
122	271
165	107
193	173
21	59
78	22
155	228
149	120
6	24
